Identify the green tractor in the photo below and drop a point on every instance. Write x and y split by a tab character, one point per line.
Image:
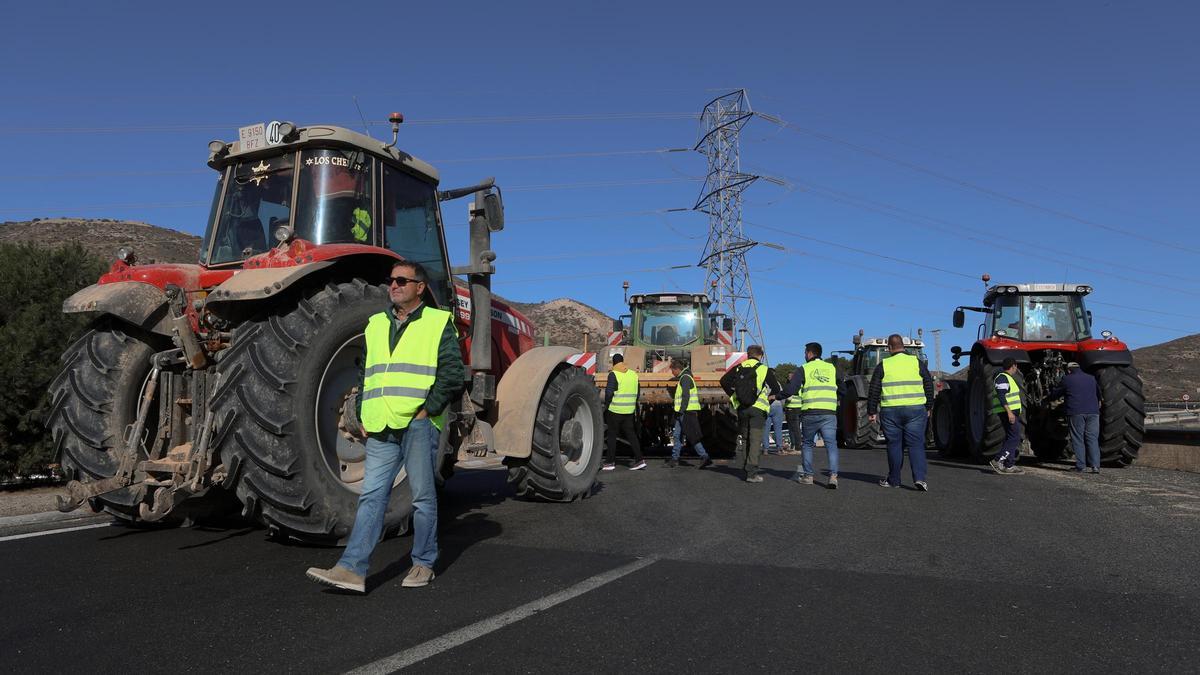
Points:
855	429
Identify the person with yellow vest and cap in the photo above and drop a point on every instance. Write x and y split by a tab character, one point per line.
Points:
901	393
1006	404
757	384
620	404
687	414
812	394
412	372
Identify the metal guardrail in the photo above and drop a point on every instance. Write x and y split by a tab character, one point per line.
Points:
1172	413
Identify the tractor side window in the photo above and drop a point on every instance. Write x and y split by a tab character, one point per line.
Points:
334	204
410	227
212	219
1006	316
1082	329
259	196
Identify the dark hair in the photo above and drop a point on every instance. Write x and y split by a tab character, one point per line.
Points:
895	341
418	269
680	362
754	351
814	347
617	358
1008	362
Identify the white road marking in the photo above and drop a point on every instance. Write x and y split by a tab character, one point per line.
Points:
408	657
27	535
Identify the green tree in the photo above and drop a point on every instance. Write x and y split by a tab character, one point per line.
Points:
34	333
783	371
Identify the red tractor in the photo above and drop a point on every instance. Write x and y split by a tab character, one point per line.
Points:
1043	327
230	380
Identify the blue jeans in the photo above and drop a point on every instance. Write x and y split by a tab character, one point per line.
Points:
826	426
677	444
1085	434
774	421
414	448
904	429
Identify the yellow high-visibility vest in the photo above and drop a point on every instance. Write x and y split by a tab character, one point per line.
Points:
820	386
902	383
1013	397
397	382
693	398
624	400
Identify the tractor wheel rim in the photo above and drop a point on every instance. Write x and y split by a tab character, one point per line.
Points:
577	435
345	459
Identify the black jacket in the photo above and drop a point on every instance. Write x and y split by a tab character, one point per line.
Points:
772	384
1082	391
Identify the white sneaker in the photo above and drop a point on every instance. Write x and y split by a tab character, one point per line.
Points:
609	467
639	466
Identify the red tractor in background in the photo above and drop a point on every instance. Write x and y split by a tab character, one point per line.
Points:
1043	327
231	380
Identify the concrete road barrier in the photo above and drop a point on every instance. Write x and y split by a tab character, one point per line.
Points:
1177	449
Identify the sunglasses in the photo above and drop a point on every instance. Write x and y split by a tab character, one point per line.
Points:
402	281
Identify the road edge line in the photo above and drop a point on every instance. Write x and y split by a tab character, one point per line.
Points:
13	537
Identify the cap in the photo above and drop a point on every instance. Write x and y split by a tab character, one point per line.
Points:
1073	365
617	358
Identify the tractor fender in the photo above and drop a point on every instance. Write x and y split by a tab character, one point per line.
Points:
518	394
856	385
137	303
261	283
1105	357
996	356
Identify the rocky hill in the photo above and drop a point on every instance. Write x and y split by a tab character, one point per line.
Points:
104	236
566	321
1170	369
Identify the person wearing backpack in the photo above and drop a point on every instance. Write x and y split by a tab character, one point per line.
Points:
750	386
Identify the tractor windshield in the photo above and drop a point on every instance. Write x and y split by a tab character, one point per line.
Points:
873	357
257	199
670	326
1039	318
333	204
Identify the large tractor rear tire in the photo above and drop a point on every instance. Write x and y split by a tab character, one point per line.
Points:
985	434
568	438
278	401
720	429
855	428
949	419
94	402
1122	416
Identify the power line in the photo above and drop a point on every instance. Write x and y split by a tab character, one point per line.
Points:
973	186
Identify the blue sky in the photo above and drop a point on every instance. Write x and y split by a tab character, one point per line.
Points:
1062	134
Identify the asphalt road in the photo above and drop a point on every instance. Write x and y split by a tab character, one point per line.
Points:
663	570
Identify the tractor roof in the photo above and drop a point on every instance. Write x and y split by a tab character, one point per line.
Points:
882	342
325	135
668	299
1031	289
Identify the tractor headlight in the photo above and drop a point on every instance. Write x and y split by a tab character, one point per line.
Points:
1106	334
283	233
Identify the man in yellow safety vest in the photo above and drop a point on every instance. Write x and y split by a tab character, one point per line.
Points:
901	392
813	398
1006	404
752	413
620	404
412	372
687	414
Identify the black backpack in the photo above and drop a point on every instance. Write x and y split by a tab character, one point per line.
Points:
745	385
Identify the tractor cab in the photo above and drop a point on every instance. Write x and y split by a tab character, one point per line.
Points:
870	352
668	324
1033	313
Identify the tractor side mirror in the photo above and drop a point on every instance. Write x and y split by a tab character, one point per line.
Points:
493	210
960	318
727	324
1089	315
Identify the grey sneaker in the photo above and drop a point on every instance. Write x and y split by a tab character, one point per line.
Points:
883	482
1094	469
338	577
922	486
639	466
1013	470
805	479
609	467
833	481
754	478
707	462
997	467
418	576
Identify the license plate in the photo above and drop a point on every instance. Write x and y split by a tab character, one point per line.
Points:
253	137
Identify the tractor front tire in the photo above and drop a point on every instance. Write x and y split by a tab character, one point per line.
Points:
568	440
985	434
94	400
720	429
279	395
855	428
1122	415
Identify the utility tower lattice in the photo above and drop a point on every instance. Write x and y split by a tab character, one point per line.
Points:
725	253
